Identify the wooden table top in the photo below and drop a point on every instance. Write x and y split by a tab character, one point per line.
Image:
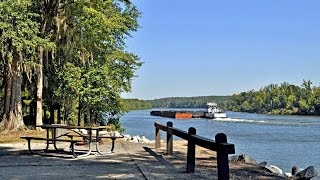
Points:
50	126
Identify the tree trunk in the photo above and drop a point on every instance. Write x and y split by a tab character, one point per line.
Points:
59	115
51	114
39	90
79	113
12	117
45	119
86	118
31	114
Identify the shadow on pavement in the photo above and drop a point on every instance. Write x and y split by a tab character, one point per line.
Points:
18	163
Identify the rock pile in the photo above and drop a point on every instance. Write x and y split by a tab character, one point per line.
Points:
297	173
137	139
305	174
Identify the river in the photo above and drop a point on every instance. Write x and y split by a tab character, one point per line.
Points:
284	141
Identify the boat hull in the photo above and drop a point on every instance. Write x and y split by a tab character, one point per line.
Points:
215	115
188	114
173	114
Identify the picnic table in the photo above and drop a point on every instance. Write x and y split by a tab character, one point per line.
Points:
65	133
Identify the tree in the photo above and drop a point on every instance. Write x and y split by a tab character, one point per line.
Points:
279	99
74	54
96	46
19	41
47	14
316	100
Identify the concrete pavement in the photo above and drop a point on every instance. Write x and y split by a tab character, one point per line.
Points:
130	161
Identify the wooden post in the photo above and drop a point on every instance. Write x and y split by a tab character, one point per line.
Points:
222	158
191	153
158	139
169	138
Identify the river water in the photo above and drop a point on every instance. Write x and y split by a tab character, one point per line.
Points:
284	141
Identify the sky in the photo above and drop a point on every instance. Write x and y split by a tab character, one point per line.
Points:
210	47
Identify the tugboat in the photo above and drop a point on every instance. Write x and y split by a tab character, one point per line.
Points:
214	112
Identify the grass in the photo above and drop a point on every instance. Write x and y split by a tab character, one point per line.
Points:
14	136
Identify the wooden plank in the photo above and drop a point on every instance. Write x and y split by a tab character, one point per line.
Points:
169	138
220	145
212	145
205	142
191	152
160	126
227	148
48	139
180	133
158	139
222	158
50	126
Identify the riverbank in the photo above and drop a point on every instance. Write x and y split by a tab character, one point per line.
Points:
285	141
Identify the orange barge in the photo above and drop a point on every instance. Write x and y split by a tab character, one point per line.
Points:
173	114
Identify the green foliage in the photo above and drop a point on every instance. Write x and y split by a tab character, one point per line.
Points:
100	69
96	68
115	125
85	63
189	102
279	99
136	104
18	29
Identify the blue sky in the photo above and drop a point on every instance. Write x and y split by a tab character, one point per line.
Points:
211	47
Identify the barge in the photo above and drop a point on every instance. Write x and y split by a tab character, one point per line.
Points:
212	112
173	114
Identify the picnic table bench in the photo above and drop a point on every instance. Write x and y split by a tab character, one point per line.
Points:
90	138
72	142
97	140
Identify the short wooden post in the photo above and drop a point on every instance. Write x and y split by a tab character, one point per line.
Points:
191	153
222	158
158	138
169	138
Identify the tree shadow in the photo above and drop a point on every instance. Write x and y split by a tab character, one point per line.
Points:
20	164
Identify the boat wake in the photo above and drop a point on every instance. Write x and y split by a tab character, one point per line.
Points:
266	122
240	120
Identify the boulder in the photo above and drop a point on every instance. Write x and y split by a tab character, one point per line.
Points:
275	170
234	158
144	140
243	158
263	164
288	175
315	178
127	137
135	139
295	170
117	134
307	173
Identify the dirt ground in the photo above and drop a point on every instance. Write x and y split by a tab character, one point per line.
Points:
206	164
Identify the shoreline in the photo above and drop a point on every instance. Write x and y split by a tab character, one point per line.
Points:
244	159
205	160
278	139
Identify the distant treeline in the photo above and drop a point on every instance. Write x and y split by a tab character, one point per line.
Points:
176	102
190	102
136	104
282	98
279	99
